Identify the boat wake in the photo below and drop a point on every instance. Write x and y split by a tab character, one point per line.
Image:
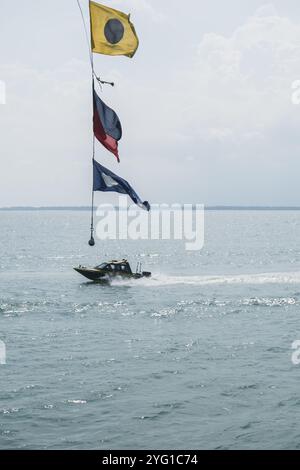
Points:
252	279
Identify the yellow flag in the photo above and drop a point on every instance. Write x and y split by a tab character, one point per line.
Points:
112	33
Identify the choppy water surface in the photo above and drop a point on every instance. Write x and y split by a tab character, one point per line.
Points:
199	356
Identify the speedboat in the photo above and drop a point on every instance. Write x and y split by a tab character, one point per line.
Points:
112	269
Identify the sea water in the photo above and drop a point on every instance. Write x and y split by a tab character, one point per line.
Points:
197	357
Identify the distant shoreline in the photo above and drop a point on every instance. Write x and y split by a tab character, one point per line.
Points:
207	208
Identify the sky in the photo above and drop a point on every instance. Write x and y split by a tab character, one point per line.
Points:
206	103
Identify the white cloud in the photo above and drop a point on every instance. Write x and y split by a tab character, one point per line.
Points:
242	83
266	10
237	88
229	105
142	6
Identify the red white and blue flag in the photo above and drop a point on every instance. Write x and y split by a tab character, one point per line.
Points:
107	126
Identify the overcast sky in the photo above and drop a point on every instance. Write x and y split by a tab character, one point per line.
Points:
205	104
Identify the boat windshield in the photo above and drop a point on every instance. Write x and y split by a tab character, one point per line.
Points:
102	266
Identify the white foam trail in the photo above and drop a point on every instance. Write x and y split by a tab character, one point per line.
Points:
164	280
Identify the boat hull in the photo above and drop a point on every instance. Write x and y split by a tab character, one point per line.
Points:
91	274
97	274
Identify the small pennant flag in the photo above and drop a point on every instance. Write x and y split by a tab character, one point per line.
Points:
112	33
106	180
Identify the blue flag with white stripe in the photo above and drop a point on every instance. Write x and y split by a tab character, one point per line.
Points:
106	180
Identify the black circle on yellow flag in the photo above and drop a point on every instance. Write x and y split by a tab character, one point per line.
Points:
114	31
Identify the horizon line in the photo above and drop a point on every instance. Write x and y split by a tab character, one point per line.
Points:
208	208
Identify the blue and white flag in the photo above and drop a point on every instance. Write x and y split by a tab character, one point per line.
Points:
106	180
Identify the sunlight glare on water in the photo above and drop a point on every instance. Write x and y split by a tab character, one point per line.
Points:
198	356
